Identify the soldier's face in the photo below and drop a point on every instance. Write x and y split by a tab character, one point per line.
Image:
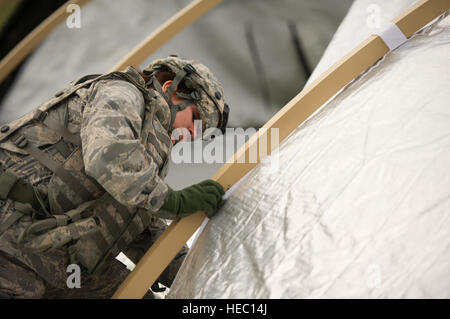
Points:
184	118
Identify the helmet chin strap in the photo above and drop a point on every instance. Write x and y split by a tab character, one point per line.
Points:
174	109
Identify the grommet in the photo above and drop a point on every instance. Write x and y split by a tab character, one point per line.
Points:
4	129
218	95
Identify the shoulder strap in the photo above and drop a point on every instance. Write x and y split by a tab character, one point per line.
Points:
54	166
59	128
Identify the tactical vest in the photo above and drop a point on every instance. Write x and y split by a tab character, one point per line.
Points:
84	218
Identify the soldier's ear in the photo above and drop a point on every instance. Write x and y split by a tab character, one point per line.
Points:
166	85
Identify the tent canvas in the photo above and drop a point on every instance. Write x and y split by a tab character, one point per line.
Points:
358	206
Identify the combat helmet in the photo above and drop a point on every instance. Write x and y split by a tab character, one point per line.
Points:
207	93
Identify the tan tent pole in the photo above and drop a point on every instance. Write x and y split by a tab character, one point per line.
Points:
170	28
286	120
32	40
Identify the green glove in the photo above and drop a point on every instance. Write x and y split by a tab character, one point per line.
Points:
205	196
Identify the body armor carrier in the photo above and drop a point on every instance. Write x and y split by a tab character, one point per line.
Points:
83	217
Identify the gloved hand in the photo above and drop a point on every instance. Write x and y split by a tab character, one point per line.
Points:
205	196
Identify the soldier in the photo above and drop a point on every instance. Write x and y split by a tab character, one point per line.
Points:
82	177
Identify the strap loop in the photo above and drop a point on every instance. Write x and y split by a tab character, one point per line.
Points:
61	220
76	213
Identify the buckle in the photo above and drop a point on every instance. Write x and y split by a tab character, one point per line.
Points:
40	116
20	141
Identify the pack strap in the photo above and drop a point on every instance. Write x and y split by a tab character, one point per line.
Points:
176	81
111	247
118	243
20	209
54	166
113	228
58	128
167	96
62	148
125	214
157	85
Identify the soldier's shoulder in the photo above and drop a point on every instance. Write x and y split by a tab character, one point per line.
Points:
119	91
118	94
117	86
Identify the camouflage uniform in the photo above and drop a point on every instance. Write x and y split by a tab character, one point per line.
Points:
114	139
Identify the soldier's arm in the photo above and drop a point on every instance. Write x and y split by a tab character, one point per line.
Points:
112	151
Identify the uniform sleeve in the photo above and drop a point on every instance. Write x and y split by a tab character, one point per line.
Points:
112	151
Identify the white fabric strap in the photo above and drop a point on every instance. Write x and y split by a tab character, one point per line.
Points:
199	231
224	197
392	36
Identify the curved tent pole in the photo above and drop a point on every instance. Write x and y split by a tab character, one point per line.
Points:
170	28
32	40
286	120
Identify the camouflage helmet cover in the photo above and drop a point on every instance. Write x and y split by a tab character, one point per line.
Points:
207	92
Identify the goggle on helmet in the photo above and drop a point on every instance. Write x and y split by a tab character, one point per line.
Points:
207	93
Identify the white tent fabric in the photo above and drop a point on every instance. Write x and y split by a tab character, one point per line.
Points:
359	206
